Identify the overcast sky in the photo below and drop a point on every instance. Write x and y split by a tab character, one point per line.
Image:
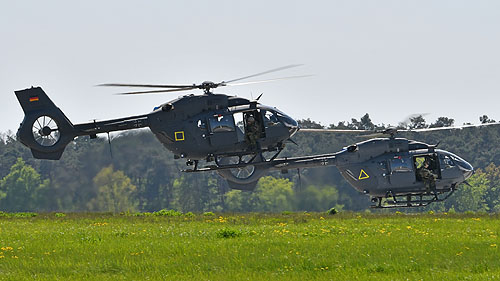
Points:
386	58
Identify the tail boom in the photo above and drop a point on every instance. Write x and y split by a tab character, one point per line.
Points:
46	130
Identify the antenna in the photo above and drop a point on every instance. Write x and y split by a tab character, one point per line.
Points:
109	142
300	180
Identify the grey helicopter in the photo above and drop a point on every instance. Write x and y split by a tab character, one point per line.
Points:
211	127
214	128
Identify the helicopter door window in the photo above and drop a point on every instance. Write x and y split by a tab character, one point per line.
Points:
399	164
240	126
428	162
221	123
238	120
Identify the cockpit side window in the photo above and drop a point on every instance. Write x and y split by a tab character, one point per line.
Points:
446	161
221	123
400	164
270	119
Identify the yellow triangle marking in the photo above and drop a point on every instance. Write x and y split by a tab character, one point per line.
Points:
363	175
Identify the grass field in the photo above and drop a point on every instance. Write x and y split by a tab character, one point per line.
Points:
310	246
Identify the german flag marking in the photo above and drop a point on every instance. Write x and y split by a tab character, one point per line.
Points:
32	99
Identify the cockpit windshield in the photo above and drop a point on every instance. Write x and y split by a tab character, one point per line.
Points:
451	159
270	119
289	121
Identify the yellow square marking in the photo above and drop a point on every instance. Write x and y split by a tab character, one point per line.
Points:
179	136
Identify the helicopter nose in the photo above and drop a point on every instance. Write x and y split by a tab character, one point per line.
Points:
466	168
468	173
292	129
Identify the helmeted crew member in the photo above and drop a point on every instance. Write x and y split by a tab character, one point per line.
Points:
427	176
252	132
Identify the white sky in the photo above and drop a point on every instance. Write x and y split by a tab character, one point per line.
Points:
387	58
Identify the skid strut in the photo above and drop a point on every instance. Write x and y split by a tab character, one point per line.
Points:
411	200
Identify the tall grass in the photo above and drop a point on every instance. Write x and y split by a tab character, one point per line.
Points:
290	246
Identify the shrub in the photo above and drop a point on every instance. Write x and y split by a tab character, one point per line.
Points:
332	211
208	214
145	214
60	215
167	213
228	233
25	215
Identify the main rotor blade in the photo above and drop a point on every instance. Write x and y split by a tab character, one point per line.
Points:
349	131
374	135
268	80
262	73
144	85
157	91
450	128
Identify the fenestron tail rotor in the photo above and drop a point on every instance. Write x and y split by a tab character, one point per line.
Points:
46	131
206	86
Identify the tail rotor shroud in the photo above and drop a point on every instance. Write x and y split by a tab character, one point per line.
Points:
46	131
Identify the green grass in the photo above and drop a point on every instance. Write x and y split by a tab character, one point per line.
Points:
286	246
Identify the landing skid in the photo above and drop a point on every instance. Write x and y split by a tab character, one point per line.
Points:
411	200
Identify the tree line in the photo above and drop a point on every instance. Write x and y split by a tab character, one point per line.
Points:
143	176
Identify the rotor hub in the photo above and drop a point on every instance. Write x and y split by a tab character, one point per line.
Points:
207	85
45	131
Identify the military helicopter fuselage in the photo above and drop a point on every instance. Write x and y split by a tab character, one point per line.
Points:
194	127
388	170
389	166
200	127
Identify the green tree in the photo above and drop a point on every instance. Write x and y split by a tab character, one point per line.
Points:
23	189
473	197
308	123
196	193
274	195
366	123
492	173
115	192
317	198
271	195
240	201
484	119
443	122
417	122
